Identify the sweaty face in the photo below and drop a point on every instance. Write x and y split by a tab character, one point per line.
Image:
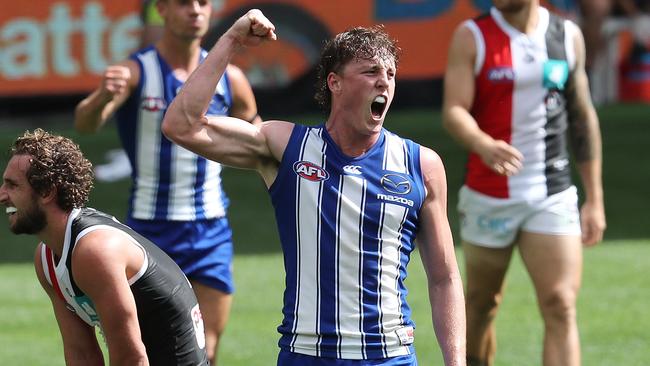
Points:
20	200
368	86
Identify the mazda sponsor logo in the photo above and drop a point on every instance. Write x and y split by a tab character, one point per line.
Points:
396	199
396	183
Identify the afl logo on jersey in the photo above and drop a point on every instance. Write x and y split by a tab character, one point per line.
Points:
501	74
395	183
310	171
153	104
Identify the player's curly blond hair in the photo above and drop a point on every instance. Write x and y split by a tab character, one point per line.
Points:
356	43
56	163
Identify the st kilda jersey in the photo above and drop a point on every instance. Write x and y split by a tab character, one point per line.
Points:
521	81
168	312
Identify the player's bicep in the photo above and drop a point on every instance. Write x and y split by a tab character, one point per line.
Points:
100	270
79	340
230	141
582	114
459	74
434	238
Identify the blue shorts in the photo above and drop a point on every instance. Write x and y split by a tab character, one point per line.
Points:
203	249
286	358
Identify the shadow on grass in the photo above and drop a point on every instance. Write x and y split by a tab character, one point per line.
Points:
625	131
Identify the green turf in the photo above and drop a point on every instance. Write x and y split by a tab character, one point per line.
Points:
625	131
613	317
612	307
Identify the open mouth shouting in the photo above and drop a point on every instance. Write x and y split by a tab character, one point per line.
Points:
11	210
378	106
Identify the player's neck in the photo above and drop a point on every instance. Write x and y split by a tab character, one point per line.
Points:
179	54
524	20
352	140
53	235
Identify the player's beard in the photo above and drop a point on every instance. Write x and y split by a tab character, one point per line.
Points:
29	221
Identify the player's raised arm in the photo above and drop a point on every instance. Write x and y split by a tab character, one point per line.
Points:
230	141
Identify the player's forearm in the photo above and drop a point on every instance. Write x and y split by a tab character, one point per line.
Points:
460	124
129	359
91	113
83	357
448	315
591	176
191	104
586	144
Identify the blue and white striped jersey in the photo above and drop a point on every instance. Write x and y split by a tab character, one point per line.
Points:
169	182
347	227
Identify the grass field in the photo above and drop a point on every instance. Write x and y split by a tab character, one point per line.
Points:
612	307
613	317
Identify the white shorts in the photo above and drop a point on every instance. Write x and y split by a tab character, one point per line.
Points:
495	222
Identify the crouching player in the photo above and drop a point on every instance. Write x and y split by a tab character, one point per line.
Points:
97	271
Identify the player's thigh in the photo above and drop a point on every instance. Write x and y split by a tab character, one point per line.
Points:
485	268
554	263
215	305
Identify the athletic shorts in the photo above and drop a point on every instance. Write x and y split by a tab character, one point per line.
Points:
494	222
286	358
203	249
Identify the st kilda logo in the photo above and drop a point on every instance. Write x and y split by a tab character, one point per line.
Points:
310	171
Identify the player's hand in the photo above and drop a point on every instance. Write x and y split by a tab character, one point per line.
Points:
253	28
114	81
592	222
501	157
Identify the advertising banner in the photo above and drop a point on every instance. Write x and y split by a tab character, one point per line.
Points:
62	46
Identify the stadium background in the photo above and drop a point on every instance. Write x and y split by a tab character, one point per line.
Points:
51	53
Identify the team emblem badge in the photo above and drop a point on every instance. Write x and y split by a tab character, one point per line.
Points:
310	171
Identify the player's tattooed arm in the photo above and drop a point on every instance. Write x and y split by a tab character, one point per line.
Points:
584	130
581	123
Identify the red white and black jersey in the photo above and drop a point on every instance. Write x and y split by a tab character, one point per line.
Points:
170	321
520	82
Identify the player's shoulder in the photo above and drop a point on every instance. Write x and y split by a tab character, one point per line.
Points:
429	158
464	38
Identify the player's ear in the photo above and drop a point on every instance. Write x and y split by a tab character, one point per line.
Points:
334	83
49	196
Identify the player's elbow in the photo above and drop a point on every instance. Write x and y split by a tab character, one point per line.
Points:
176	125
84	129
450	116
82	124
169	126
446	118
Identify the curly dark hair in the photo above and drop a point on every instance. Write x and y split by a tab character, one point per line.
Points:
358	43
56	163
